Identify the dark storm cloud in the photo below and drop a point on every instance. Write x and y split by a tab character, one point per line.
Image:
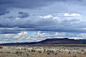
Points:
33	23
62	29
9	32
40	24
10	17
3	13
5	31
6	2
23	15
30	4
26	23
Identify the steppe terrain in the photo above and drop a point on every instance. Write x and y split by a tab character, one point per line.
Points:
43	50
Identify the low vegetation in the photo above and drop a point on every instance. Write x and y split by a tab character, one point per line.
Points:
42	51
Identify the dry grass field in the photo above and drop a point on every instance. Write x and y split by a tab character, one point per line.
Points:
43	51
31	54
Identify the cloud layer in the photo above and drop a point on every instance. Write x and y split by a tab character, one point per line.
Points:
41	35
23	21
54	18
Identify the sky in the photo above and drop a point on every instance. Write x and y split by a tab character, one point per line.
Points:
36	20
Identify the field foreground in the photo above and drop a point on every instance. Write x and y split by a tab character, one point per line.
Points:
42	50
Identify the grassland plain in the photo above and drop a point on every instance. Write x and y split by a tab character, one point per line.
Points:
43	50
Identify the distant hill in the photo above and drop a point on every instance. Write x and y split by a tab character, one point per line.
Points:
62	41
52	41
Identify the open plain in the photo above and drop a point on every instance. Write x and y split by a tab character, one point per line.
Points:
43	50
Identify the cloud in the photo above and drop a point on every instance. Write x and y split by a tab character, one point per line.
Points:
42	15
15	24
23	15
30	4
14	37
73	14
41	35
67	5
3	13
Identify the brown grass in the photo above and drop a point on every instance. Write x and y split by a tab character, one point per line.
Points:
33	54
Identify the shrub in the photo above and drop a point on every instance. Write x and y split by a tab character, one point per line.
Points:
52	51
55	53
1	47
79	52
8	52
17	52
28	50
69	52
84	52
27	54
48	53
39	51
32	50
0	51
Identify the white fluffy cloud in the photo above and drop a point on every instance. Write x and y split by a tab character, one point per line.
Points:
41	35
73	14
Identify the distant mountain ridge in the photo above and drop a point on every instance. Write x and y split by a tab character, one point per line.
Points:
53	41
63	41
